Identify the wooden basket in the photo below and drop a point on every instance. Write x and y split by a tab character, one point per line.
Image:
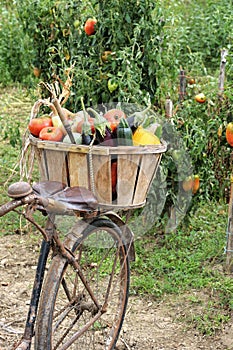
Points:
90	167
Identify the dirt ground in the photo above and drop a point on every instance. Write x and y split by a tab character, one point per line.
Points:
148	324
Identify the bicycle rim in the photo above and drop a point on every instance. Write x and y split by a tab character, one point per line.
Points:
72	317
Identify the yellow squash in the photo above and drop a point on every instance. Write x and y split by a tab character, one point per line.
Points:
142	137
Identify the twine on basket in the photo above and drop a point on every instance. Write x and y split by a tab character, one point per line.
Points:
27	160
90	164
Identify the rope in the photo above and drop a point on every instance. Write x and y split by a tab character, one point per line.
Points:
90	163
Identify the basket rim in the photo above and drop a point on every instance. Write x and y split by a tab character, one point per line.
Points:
113	206
96	149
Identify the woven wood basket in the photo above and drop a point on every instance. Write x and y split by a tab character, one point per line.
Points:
90	167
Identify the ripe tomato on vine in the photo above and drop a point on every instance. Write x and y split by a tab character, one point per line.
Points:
89	26
196	184
229	133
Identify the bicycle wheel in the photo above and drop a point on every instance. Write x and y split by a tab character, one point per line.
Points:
69	316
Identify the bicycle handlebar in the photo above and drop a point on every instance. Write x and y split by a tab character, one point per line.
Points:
7	207
15	203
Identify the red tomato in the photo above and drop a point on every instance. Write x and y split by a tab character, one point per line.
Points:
191	81
51	133
200	98
229	134
37	124
196	184
89	26
36	72
113	116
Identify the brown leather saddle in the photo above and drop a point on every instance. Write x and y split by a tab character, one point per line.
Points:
75	198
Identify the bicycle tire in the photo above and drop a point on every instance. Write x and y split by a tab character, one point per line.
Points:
101	252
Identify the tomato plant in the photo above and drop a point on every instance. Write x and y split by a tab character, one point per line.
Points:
51	133
149	41
37	124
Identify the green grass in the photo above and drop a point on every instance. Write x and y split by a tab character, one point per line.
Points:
15	106
185	259
190	261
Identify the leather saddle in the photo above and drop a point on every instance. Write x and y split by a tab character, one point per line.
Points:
75	198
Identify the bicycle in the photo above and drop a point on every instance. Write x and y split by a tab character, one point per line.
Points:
82	301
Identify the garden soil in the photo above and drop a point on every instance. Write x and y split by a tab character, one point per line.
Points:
149	323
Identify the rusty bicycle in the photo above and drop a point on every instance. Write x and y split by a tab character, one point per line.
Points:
84	295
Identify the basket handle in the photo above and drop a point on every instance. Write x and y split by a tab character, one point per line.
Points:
65	122
36	107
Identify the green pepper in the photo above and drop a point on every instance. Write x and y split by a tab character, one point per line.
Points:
112	85
124	133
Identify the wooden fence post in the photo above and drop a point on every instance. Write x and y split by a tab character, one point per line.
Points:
171	227
229	244
229	235
223	62
168	107
182	90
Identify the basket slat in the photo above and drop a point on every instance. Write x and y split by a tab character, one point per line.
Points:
148	167
41	163
102	178
127	168
78	169
55	163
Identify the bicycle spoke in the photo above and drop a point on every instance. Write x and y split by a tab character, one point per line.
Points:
66	289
